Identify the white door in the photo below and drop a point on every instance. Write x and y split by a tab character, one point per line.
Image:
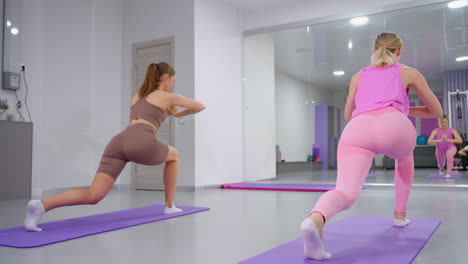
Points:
151	177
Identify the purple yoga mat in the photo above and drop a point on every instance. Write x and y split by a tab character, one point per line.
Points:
359	240
282	187
437	176
58	231
374	175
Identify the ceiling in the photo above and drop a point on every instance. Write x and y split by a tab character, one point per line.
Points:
257	4
433	35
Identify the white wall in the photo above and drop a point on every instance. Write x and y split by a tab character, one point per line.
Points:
73	64
259	113
218	80
295	120
156	19
306	10
34	58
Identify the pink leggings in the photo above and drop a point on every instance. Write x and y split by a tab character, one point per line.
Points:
442	154
385	131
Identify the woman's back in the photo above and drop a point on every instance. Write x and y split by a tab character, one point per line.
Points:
379	88
144	108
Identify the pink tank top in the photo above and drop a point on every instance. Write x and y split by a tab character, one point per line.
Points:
444	145
379	88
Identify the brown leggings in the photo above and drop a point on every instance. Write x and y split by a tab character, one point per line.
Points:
137	144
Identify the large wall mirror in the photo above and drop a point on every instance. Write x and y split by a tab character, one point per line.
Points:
12	35
296	84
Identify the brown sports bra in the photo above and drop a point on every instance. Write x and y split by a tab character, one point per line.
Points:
147	111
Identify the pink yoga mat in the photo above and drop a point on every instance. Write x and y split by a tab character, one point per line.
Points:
281	187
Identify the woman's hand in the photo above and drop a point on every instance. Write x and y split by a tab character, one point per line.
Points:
173	111
444	137
191	106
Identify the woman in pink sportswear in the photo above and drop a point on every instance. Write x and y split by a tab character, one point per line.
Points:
444	137
377	112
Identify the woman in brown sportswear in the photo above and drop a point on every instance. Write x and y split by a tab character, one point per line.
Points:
150	107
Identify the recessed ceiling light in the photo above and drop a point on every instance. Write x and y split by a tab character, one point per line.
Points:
350	44
463	58
338	73
14	31
8	23
358	21
457	4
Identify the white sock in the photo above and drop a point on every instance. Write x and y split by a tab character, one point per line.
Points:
441	173
313	246
401	223
171	210
34	212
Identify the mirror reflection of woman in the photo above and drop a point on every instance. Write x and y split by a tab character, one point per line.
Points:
444	137
463	156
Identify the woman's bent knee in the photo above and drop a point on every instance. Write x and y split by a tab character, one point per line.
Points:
95	197
173	155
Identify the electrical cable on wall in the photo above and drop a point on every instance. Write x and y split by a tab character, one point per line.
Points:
23	70
18	106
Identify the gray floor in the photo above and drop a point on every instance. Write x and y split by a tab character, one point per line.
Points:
239	225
